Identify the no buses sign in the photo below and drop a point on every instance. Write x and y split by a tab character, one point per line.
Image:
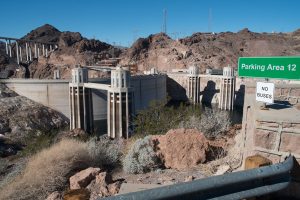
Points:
265	92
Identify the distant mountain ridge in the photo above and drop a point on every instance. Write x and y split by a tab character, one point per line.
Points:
209	50
206	50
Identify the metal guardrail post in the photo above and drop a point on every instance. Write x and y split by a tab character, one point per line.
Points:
236	185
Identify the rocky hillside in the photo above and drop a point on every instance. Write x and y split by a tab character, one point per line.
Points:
73	49
203	49
20	116
209	50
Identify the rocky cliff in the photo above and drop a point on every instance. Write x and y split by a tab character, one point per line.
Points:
209	50
20	116
73	49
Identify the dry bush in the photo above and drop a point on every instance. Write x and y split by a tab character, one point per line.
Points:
104	151
141	157
48	171
212	124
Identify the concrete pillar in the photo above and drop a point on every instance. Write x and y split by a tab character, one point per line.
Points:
56	74
17	52
81	115
193	85
30	53
46	53
9	48
227	89
73	116
50	47
113	135
121	115
6	47
70	106
35	51
79	124
108	111
27	54
118	118
21	58
43	46
38	52
127	114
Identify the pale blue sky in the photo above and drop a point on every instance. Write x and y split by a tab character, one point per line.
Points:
121	21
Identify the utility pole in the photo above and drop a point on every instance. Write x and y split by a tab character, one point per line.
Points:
164	26
209	20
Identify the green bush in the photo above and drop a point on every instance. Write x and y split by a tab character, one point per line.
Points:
141	157
159	118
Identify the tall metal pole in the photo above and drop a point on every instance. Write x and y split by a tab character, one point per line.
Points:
164	27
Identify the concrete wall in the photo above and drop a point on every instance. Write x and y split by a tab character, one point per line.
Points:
55	93
209	87
273	133
51	93
148	88
177	84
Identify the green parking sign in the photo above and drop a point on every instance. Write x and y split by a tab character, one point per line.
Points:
270	67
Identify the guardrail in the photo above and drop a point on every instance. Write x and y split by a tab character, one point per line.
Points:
236	185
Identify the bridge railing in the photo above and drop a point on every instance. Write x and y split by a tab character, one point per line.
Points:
236	185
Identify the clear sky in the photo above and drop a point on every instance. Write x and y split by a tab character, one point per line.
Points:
122	21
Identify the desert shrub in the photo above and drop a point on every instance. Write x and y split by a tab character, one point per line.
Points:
212	124
141	157
9	172
34	143
159	118
104	151
48	171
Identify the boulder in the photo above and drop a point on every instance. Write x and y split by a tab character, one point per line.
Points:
189	178
181	148
83	178
54	196
114	188
103	179
103	186
78	194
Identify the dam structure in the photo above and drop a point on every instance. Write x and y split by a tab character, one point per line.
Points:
204	88
108	105
85	101
119	102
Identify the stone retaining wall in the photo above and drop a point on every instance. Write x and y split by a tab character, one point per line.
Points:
273	133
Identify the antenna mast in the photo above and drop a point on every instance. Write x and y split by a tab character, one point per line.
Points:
209	20
164	27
